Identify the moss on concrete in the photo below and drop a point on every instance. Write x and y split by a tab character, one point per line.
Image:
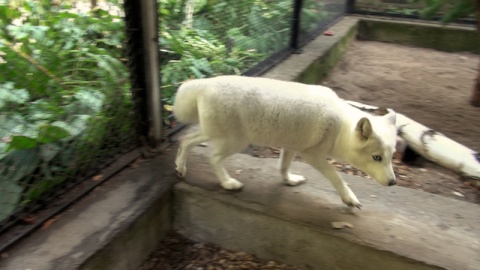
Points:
321	67
438	37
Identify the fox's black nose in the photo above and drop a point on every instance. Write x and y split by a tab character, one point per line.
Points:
392	182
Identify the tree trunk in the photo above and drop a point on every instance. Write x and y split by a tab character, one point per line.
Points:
475	101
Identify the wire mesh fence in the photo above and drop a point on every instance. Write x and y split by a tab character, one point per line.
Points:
207	38
317	15
65	102
200	38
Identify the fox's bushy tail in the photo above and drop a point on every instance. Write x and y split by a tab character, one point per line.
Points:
185	107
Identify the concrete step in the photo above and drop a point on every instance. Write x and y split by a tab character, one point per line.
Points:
398	228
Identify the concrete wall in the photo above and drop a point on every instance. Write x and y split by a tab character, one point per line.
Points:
398	227
235	225
133	244
451	38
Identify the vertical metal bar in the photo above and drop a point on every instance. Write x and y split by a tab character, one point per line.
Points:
134	52
297	8
350	7
149	11
142	51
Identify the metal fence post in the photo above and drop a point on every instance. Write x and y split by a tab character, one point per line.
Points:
142	49
297	8
150	43
350	6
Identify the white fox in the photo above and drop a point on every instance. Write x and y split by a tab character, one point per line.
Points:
235	111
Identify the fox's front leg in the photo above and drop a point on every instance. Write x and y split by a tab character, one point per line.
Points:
286	157
322	165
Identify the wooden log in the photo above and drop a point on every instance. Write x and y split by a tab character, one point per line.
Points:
433	145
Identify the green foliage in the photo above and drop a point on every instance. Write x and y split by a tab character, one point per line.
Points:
60	93
449	10
224	36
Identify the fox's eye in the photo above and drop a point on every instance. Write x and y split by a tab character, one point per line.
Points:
377	158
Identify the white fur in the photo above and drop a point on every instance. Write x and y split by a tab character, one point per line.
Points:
235	111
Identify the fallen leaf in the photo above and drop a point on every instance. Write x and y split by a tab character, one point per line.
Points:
328	33
136	163
341	225
49	222
97	177
30	219
133	165
238	172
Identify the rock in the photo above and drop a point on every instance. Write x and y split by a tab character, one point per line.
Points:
341	225
456	193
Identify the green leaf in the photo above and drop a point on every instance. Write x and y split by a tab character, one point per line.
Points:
49	151
10	194
18	164
9	94
49	133
42	109
75	126
21	143
11	123
93	100
197	72
43	186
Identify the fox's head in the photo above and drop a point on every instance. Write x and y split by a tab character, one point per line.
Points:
374	144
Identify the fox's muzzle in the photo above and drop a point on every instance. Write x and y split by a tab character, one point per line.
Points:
392	182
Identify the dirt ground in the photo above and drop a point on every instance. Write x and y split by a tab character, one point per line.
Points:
429	86
178	253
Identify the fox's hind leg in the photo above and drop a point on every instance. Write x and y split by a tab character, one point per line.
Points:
286	157
224	148
188	142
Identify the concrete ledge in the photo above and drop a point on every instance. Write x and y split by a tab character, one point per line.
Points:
399	228
450	38
115	227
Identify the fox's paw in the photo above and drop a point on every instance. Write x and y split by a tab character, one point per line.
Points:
351	200
180	171
232	184
294	179
354	204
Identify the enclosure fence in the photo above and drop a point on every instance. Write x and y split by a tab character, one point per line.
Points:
73	93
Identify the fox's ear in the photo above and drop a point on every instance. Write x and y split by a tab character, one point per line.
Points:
364	128
391	117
